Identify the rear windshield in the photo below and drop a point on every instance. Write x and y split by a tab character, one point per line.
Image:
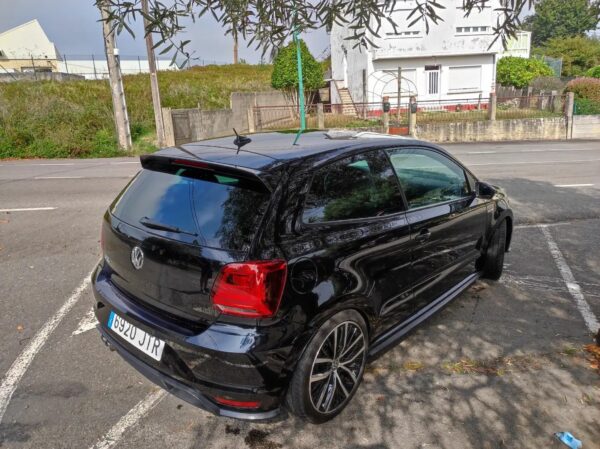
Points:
205	207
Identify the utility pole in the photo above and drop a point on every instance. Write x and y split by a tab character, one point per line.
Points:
116	82
158	118
235	48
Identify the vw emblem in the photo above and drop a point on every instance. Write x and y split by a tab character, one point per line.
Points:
137	257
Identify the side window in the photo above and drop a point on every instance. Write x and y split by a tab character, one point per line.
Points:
428	177
359	186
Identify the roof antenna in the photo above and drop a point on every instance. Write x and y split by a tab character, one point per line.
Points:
301	108
240	141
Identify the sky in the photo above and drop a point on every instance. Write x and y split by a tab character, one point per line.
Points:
73	27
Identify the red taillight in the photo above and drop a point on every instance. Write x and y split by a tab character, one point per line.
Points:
239	404
187	163
250	289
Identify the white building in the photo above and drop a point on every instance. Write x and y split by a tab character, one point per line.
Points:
97	67
26	48
454	61
519	46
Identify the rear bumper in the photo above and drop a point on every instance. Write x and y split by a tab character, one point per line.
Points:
201	364
179	389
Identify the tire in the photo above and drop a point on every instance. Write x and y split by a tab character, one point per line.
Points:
493	259
321	389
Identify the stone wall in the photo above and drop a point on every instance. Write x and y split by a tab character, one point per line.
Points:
586	127
189	125
497	130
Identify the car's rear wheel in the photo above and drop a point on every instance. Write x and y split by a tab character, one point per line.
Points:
492	261
330	369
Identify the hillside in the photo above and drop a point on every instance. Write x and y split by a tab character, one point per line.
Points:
74	118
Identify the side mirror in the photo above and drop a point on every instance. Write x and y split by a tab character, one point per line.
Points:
484	189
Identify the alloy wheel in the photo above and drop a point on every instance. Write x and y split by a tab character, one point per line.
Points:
337	367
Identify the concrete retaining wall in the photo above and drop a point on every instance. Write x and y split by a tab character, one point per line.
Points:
482	131
586	127
242	101
38	76
188	125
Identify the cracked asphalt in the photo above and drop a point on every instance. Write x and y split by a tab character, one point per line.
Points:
503	366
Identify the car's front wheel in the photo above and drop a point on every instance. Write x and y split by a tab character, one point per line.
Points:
330	369
492	262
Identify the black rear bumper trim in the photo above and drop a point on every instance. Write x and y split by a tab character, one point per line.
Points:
179	389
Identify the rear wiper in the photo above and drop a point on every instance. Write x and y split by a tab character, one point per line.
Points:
163	227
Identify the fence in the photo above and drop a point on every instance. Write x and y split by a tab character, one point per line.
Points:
95	66
455	110
370	115
356	115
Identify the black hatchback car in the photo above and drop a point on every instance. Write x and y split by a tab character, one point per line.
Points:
248	280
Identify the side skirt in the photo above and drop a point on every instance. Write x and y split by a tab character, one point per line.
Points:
393	336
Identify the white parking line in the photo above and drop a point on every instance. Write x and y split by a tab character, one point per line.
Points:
27	209
113	436
573	185
21	364
574	289
37	165
58	177
87	323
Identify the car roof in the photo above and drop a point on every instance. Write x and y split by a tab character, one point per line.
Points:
268	150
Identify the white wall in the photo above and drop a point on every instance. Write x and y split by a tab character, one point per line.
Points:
447	44
358	59
128	67
444	38
27	41
473	75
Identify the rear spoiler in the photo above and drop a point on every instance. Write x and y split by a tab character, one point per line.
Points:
165	162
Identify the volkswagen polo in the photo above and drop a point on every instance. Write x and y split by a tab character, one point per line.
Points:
259	276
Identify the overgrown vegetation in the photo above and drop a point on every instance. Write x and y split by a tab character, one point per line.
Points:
519	72
74	118
578	53
585	88
594	72
587	95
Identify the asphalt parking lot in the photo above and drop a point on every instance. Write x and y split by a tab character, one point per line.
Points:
502	367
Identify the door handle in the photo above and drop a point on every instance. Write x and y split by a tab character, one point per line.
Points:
423	235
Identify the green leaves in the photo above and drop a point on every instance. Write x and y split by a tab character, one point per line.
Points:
563	18
578	53
519	72
285	69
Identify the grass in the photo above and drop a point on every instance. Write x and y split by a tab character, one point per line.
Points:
48	119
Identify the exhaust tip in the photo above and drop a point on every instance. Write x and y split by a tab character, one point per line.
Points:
106	343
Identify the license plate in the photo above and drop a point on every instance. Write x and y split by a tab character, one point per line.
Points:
136	337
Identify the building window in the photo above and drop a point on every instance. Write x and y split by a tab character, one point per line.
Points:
464	79
472	30
411	33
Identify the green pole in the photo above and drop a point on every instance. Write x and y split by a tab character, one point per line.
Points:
300	87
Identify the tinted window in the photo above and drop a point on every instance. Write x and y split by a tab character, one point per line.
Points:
223	210
360	186
428	177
